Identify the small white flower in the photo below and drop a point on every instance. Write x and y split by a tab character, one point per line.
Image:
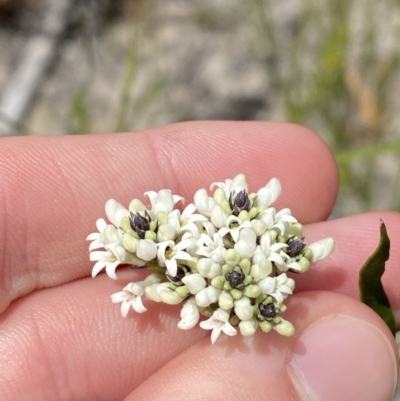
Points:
219	321
110	259
168	253
233	226
279	287
116	212
268	251
131	295
213	248
278	221
189	315
163	201
185	221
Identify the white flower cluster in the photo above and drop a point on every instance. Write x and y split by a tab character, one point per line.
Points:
227	262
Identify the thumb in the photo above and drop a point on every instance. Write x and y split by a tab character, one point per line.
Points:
341	351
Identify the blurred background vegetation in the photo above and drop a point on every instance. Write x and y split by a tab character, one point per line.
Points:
125	65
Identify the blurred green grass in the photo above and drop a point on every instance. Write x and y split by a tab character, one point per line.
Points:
324	73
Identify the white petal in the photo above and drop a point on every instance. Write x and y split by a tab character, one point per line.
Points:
118	251
194	282
239	183
101	225
138	306
161	249
189	315
119	297
115	212
164	202
228	329
125	306
100	265
218	216
246	245
215	334
172	267
146	250
322	248
166	232
110	269
203	202
270	193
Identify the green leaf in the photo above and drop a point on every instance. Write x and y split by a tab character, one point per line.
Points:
372	292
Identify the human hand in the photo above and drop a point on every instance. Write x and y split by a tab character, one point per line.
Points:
61	338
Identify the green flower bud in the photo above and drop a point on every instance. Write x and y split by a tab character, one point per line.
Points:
253	212
226	269
308	254
218	282
236	294
225	300
284	328
247	280
245	265
151	235
252	291
265	326
232	257
305	264
219	196
182	291
162	218
244	215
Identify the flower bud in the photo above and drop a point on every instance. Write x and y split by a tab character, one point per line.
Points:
225	300
207	296
244	309
252	291
195	282
248	327
284	328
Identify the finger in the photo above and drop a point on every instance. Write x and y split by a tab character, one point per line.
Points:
52	190
73	341
356	238
341	351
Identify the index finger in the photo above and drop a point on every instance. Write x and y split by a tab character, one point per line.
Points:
53	189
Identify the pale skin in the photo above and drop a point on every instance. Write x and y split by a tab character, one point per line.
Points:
61	338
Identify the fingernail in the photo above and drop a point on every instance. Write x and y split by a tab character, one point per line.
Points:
344	358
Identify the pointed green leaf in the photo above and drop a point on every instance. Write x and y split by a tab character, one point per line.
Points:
372	292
